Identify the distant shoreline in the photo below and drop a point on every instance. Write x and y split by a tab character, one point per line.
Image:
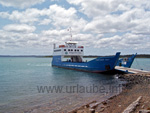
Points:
86	56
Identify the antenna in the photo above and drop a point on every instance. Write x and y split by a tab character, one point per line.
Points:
54	45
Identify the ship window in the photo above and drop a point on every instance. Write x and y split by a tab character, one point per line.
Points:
71	50
78	50
57	50
75	50
68	49
81	50
64	49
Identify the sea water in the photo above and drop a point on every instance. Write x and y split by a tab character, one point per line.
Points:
31	83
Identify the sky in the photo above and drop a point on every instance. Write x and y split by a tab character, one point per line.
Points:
103	27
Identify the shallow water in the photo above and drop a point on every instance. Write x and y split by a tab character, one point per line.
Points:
22	77
141	63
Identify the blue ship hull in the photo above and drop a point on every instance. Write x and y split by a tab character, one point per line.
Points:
100	64
126	62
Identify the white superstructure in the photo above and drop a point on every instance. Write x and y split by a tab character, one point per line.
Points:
69	49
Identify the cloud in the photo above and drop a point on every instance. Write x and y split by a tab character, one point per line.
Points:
17	39
20	3
45	22
126	41
55	15
22	33
108	42
28	16
62	17
103	24
55	33
113	23
22	28
98	8
134	20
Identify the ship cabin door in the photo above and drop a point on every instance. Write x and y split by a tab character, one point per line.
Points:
72	59
76	59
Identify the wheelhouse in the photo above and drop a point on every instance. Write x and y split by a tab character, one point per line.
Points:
70	52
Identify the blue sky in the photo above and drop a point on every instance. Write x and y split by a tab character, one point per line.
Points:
104	27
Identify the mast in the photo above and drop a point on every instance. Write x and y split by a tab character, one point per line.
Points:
54	46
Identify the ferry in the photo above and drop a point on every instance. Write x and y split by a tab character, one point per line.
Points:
70	56
127	61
